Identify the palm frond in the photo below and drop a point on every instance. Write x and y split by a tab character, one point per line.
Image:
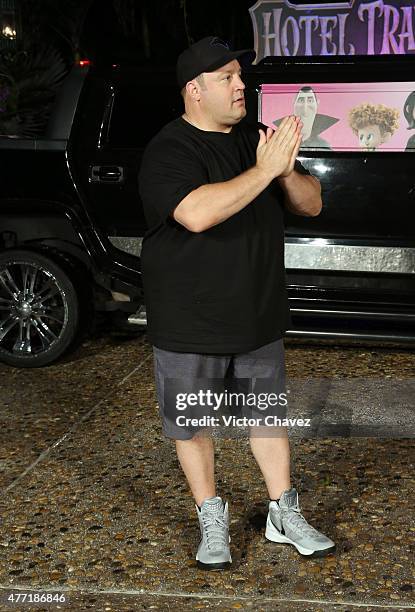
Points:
29	81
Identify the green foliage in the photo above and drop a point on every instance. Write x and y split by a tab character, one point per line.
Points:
29	80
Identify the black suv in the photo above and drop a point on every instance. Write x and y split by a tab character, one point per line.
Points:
71	221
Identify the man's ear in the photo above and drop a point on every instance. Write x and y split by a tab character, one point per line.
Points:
193	90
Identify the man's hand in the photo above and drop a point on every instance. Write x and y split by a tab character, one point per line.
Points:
294	154
277	150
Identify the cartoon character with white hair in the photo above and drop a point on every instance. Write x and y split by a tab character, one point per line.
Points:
373	124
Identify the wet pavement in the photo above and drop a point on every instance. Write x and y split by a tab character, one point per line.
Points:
96	513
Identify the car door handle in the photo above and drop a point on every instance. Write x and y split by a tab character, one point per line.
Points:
106	174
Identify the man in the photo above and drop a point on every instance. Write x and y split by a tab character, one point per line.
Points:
305	106
213	191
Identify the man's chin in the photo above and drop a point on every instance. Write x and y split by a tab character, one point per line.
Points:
240	114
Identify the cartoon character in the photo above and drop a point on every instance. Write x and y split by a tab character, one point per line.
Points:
409	112
373	124
305	106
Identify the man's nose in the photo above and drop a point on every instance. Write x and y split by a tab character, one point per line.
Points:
239	83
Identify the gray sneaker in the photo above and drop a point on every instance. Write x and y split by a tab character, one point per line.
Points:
286	524
213	552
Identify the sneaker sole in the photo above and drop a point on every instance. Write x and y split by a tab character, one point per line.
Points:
273	535
214	566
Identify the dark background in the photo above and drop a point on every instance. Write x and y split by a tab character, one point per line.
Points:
135	30
53	34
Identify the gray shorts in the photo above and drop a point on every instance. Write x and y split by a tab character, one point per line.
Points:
247	382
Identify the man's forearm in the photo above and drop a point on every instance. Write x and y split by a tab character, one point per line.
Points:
214	203
302	194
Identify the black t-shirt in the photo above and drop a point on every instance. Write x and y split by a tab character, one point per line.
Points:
223	290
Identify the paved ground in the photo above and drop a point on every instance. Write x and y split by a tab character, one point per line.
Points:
95	510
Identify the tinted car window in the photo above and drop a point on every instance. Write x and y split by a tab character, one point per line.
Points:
139	113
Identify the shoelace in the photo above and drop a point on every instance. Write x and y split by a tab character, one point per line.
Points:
299	522
214	529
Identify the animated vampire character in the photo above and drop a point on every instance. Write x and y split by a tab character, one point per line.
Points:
305	106
409	112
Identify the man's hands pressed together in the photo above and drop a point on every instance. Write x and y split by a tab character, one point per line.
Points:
277	150
276	153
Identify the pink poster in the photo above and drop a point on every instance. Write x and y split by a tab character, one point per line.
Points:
345	116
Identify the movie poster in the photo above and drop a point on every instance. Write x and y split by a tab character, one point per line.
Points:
345	116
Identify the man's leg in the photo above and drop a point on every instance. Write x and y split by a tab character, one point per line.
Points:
270	447
196	456
188	371
194	451
273	457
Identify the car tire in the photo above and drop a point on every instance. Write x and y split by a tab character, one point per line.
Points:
39	309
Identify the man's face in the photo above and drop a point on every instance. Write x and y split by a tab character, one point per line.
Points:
305	106
222	101
370	137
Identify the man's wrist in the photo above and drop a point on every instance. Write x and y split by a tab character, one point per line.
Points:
262	174
282	178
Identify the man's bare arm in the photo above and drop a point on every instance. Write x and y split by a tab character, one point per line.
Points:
213	203
302	194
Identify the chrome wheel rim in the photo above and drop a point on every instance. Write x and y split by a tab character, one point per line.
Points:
33	309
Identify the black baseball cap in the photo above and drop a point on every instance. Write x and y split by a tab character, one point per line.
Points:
207	55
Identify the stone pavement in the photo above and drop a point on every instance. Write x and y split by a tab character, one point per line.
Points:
94	507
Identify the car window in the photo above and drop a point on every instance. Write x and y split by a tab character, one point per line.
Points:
137	116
